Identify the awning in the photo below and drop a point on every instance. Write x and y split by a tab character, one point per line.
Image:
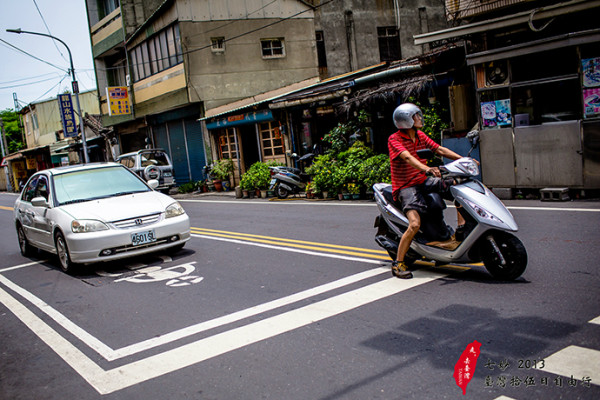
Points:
258	99
524	17
291	90
11	157
35	149
76	144
570	39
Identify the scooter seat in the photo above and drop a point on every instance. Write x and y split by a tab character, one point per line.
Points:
387	194
433	200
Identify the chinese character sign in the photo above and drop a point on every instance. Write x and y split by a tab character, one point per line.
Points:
67	115
118	100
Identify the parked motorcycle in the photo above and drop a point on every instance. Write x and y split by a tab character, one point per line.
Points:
489	225
289	180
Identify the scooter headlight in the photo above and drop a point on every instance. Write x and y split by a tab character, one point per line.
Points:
469	166
482	212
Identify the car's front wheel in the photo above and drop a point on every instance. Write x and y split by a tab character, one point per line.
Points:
62	251
26	249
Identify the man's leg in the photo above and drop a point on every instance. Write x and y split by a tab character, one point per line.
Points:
400	269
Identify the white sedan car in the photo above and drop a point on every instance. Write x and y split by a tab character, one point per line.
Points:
97	212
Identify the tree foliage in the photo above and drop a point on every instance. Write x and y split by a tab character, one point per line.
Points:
12	130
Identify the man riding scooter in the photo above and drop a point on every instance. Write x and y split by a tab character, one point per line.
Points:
410	182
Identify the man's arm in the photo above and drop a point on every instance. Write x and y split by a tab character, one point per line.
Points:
445	152
415	163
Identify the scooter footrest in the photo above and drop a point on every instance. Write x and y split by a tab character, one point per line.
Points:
386	243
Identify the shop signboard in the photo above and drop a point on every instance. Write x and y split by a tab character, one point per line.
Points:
67	115
118	100
241	119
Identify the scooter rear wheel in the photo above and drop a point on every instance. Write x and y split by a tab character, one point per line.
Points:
513	252
281	192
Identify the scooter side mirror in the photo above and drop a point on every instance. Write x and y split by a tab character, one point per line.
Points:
473	137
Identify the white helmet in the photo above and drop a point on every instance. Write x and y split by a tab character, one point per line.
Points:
403	115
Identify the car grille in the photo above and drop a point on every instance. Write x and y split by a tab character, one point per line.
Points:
137	222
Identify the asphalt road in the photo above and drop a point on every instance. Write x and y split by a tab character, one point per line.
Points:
294	300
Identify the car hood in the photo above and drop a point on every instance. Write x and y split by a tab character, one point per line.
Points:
121	207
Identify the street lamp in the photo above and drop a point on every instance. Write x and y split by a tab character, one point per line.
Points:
74	85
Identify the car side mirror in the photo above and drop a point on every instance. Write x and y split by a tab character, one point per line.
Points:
426	154
153	183
39	202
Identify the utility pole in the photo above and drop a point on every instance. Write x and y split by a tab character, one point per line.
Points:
74	84
4	153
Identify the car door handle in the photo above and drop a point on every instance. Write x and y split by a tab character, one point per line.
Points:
29	213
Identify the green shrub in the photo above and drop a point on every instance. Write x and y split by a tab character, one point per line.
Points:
187	187
258	176
374	170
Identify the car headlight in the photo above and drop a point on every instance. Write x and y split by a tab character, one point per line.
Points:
470	167
87	225
174	210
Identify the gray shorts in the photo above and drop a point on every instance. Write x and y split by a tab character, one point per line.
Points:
413	198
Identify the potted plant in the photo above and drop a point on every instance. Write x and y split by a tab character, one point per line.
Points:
257	179
353	190
221	171
248	183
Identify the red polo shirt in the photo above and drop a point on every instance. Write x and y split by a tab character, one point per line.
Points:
404	174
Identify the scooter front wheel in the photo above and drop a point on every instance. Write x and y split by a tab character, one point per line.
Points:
504	256
281	192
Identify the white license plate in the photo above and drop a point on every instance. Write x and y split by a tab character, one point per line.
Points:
273	181
139	238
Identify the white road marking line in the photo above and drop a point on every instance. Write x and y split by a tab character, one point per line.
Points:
110	355
249	312
69	353
595	321
172	360
575	361
63	321
22	266
346	204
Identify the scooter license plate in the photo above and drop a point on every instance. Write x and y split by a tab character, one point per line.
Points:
273	181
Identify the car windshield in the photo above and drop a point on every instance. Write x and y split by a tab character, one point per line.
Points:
153	158
98	183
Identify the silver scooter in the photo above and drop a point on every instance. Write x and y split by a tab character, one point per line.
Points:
489	225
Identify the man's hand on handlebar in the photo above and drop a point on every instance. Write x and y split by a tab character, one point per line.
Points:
433	171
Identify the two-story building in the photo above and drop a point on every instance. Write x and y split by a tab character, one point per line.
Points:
47	145
178	59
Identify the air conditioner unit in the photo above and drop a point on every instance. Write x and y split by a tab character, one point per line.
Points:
496	73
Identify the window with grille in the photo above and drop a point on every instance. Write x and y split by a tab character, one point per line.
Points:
271	139
389	43
156	54
226	144
272	48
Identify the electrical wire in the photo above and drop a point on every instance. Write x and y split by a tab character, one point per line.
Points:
27	84
50	33
32	56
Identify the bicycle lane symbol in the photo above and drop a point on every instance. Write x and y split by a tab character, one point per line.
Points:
176	276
